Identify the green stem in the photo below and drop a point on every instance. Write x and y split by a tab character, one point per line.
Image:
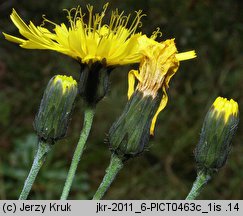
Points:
88	120
198	185
115	166
43	149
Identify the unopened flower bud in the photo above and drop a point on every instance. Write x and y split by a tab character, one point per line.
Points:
217	132
130	134
52	119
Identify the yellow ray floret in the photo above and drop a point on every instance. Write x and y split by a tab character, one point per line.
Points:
114	42
225	107
159	63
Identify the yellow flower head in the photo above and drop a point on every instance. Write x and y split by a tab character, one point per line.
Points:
227	108
114	43
159	63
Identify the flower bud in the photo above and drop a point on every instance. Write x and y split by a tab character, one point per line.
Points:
54	113
130	134
217	132
94	82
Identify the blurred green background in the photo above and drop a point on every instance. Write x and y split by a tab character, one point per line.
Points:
166	169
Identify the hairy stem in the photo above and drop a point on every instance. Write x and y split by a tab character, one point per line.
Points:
43	149
198	185
115	166
88	120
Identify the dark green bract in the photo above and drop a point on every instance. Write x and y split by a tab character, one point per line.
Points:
94	82
129	135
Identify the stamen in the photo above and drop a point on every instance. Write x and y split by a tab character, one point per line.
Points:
118	18
76	13
156	33
69	17
46	20
105	7
80	18
136	22
90	9
103	14
127	19
112	19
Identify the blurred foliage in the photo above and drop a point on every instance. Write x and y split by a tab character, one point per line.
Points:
166	169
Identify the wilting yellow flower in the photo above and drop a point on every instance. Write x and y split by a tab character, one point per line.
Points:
159	63
129	134
114	43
